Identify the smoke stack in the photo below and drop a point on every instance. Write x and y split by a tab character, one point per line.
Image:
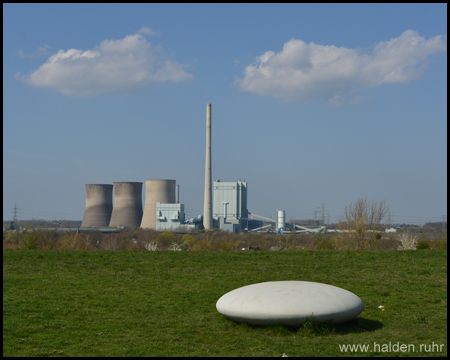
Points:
207	207
178	194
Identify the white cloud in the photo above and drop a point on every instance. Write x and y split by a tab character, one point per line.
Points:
303	71
147	31
126	65
41	51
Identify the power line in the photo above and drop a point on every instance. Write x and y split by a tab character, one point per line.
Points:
14	213
323	214
46	212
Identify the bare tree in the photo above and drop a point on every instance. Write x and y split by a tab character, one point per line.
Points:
363	218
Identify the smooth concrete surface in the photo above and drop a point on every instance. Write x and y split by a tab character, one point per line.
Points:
162	191
207	205
127	209
289	303
99	206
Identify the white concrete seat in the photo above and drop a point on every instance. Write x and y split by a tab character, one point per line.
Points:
289	303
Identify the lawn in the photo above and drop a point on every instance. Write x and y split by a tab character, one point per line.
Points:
162	303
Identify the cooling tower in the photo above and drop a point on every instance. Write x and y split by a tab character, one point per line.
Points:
162	191
98	206
207	206
127	209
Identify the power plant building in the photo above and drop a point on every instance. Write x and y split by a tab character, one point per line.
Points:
127	209
156	191
169	216
225	203
99	206
230	211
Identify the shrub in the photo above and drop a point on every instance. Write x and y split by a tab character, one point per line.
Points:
408	241
48	240
93	238
165	239
12	237
151	246
440	243
386	244
73	242
224	245
423	244
174	247
110	242
202	244
325	244
30	240
187	241
345	242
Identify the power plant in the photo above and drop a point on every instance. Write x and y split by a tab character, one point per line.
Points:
230	206
156	191
226	210
169	216
127	209
98	205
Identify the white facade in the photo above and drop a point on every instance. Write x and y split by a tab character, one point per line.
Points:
230	200
230	205
169	216
281	220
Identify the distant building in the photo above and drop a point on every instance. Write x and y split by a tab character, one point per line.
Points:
230	211
169	216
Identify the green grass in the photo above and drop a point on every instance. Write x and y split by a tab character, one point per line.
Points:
136	303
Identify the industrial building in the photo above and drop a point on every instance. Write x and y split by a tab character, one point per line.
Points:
225	204
156	191
127	209
230	205
169	216
99	206
161	212
227	209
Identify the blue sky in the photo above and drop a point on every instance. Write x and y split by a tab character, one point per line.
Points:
311	104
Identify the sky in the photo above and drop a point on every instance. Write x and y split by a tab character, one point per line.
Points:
314	105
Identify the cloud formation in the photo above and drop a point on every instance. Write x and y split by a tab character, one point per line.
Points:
41	51
125	65
304	71
147	31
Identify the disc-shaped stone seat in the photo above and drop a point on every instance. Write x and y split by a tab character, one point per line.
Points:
289	303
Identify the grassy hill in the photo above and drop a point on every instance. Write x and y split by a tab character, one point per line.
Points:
162	303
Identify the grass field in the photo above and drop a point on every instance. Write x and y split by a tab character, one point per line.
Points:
162	303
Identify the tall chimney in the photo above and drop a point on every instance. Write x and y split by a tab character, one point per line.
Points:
207	208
